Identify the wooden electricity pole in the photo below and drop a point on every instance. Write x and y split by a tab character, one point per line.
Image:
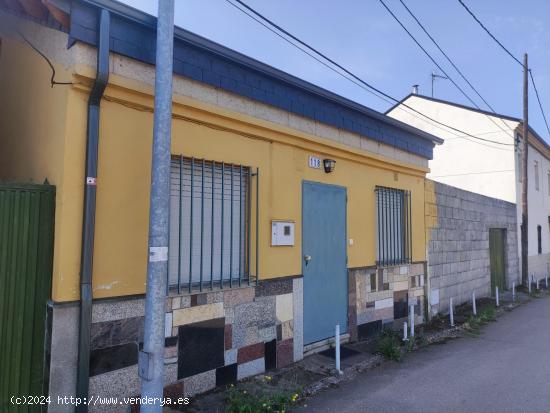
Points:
525	180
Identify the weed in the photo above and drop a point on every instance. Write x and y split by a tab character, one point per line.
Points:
474	323
409	345
472	326
241	401
388	345
436	323
418	340
487	314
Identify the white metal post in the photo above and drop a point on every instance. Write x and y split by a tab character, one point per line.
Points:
497	296
405	332
537	281
513	291
411	319
546	279
452	312
474	309
337	348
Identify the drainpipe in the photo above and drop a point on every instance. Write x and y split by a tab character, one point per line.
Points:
88	224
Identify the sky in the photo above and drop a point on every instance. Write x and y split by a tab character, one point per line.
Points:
363	37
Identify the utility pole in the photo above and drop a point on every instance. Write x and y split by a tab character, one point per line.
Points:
151	358
525	180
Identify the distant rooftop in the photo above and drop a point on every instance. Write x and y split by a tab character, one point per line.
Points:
472	109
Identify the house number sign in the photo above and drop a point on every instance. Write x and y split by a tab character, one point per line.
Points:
314	162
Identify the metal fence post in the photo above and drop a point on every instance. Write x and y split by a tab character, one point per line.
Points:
452	312
151	359
337	348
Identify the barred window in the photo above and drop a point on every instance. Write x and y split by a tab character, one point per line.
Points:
210	223
393	223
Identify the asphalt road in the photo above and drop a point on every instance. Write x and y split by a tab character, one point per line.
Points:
505	369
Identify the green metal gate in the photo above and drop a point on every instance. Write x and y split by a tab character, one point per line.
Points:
26	251
497	251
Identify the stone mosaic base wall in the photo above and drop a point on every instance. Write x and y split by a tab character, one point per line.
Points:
212	338
458	248
381	297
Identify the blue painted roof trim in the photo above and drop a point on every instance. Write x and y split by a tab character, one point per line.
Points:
133	34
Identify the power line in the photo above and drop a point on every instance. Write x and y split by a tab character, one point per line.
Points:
428	54
480	143
465	137
490	34
538	99
513	57
450	60
53	82
473	173
307	53
271	23
433	60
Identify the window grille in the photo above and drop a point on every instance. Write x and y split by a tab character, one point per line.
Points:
211	224
393	222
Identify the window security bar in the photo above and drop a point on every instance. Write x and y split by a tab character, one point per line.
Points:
211	224
394	226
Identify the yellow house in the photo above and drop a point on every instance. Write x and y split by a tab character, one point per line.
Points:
292	209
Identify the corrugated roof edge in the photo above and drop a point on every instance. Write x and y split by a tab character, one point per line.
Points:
461	106
189	37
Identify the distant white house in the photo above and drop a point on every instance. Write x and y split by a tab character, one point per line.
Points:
489	165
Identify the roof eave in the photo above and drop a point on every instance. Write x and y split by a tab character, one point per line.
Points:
187	36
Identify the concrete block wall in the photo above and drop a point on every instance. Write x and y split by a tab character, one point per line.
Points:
458	224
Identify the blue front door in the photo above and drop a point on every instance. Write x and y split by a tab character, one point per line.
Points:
324	260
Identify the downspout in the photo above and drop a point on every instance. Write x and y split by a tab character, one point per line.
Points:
88	223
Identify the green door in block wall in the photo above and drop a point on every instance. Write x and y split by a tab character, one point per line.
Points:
497	251
26	254
324	260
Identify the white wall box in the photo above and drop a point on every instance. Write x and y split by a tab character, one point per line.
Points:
282	233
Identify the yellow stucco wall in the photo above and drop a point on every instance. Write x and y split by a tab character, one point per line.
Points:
33	134
124	178
54	147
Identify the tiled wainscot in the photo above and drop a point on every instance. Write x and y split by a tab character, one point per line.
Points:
212	338
381	297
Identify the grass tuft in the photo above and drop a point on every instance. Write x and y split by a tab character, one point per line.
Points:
474	323
388	345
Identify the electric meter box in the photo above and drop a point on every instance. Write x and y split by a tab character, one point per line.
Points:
282	233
